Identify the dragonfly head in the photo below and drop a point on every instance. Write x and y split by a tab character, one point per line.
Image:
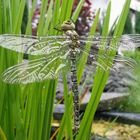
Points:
68	25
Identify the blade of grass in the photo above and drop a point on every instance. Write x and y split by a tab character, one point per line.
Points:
5	25
48	111
55	17
28	107
19	16
19	125
120	25
37	122
63	10
84	57
14	10
48	18
63	122
69	9
33	116
98	88
88	118
67	110
2	86
44	96
2	135
42	17
29	24
6	120
77	11
1	16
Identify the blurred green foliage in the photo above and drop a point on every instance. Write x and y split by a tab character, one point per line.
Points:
24	19
137	23
128	29
132	103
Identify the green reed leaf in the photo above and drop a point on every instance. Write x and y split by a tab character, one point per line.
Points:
100	80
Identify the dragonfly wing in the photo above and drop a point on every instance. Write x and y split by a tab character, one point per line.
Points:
102	51
32	44
127	42
17	43
102	43
105	60
33	71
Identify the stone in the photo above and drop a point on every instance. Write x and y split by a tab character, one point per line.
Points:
108	101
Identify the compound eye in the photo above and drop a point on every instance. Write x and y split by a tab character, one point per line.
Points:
68	21
68	25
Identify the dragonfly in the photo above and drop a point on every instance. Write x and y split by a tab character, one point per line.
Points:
61	52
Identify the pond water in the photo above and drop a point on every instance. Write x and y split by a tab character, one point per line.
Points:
116	131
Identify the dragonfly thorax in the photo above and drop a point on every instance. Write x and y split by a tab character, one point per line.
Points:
68	27
74	37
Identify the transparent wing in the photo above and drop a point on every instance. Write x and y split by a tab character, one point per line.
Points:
105	61
36	70
127	42
33	71
43	45
32	44
113	63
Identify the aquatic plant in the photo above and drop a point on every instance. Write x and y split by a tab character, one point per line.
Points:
26	111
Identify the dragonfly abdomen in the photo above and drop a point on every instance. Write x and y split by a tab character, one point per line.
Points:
75	91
